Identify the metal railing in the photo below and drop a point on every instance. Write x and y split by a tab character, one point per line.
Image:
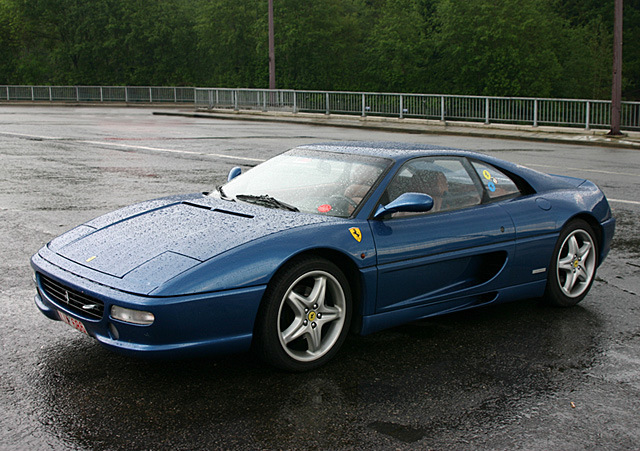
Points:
511	110
508	110
127	94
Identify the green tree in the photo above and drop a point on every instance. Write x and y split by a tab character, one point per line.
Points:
319	44
398	48
229	36
498	47
544	48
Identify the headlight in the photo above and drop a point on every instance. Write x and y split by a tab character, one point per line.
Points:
132	316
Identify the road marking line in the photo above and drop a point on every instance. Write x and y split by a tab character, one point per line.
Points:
632	202
24	135
585	170
128	146
187	152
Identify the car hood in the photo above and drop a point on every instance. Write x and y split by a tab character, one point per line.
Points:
159	239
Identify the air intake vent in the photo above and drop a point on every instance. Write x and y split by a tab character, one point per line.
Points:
234	213
75	301
191	204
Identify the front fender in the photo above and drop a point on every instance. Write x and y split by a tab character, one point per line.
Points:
255	263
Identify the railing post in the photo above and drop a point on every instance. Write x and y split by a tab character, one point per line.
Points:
401	106
535	112
486	110
101	95
327	103
8	93
77	94
363	105
32	96
442	108
50	97
587	121
126	94
175	95
235	100
295	102
150	95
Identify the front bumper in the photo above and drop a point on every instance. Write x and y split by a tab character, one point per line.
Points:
207	323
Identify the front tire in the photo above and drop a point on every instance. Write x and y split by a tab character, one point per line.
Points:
573	266
305	315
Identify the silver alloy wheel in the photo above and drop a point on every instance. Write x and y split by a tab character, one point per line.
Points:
311	316
576	263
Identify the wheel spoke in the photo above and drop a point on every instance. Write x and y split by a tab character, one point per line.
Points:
570	282
583	252
298	303
330	314
573	246
314	339
582	274
566	264
318	291
295	330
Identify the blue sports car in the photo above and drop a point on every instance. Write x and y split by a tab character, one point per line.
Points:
321	240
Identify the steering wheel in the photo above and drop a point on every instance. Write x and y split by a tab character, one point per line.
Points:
350	201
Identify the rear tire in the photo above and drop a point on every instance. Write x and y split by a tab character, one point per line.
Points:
305	315
573	265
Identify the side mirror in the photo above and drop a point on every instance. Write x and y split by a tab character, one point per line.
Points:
233	173
409	202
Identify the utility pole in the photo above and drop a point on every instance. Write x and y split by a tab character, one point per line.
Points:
616	84
272	52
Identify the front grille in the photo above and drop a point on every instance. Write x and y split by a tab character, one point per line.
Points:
75	301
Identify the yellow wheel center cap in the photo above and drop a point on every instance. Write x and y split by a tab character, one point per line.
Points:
312	316
576	263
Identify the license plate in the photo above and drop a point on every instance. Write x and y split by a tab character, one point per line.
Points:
73	323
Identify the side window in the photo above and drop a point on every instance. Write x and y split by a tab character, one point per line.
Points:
445	179
497	185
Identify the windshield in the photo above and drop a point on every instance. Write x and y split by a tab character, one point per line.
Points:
309	181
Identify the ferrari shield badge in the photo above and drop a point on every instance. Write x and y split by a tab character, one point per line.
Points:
356	233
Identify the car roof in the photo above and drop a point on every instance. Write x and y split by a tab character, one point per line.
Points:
391	150
401	152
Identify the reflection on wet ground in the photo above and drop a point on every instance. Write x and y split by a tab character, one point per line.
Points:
413	383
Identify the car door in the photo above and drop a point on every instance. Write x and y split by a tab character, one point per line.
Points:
458	249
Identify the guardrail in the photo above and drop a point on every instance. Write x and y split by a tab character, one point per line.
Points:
127	94
515	110
511	110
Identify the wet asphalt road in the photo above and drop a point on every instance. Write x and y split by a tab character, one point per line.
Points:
514	376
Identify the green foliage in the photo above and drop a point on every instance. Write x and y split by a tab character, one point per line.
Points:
318	44
231	45
499	47
398	48
542	48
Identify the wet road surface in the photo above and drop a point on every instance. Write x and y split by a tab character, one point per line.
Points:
514	376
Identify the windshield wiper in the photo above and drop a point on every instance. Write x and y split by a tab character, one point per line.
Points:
266	201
